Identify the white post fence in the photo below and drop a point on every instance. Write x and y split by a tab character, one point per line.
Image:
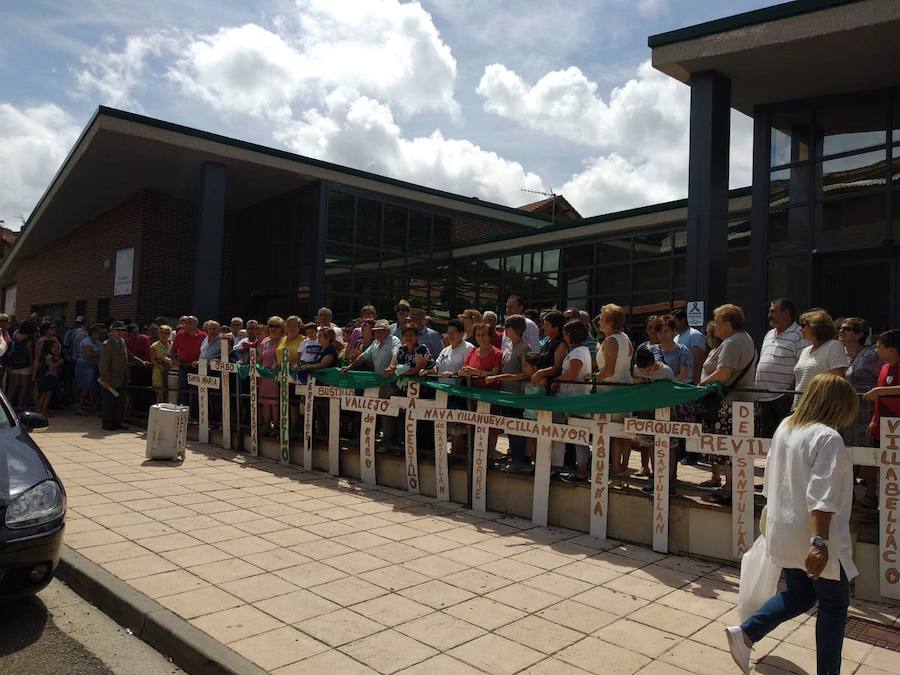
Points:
597	433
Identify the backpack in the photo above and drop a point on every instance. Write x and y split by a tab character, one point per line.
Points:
19	356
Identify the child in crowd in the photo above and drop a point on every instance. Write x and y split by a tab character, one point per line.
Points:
530	365
646	369
310	349
886	393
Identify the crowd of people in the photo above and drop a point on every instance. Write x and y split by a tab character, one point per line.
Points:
818	385
564	353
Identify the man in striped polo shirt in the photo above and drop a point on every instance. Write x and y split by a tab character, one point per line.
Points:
779	353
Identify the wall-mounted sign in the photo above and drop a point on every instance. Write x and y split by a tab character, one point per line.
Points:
124	271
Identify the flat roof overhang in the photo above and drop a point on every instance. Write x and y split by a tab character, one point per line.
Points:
795	50
120	153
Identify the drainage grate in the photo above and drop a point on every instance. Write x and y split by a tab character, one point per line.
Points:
873	633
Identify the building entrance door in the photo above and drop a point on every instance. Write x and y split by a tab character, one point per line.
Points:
860	284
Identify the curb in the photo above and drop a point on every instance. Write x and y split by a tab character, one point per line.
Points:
189	648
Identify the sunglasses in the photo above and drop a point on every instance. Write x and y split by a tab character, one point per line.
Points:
273	326
847	329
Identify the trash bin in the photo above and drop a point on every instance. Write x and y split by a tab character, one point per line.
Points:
167	431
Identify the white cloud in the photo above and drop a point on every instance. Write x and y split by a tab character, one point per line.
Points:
362	133
640	134
114	77
33	143
384	49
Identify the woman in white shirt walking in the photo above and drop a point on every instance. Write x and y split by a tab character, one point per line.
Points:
823	355
809	487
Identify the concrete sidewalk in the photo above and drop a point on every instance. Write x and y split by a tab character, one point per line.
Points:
305	573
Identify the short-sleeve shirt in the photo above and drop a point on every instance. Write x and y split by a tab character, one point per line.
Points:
583	354
293	347
777	358
812	362
492	360
661	373
677	358
513	360
691	338
158	351
451	358
186	347
887	406
407	358
309	351
380	354
90	344
864	369
737	351
328	351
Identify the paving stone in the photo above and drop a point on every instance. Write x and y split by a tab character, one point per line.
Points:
597	656
278	647
339	627
495	654
487	614
233	624
388	651
440	630
540	634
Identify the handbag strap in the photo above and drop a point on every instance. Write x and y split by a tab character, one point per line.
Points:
741	375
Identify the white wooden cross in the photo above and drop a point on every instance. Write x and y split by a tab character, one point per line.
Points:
370	406
223	366
254	405
334	396
413	404
742	447
204	383
544	429
284	408
889	508
602	432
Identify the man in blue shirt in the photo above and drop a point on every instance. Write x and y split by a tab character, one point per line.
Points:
692	339
428	337
380	353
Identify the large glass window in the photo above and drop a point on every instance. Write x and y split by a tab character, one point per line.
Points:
791	134
860	220
368	230
850	128
850	173
789	229
395	237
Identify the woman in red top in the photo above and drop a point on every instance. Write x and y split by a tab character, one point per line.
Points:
483	361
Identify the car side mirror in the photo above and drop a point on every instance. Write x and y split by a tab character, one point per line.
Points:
32	421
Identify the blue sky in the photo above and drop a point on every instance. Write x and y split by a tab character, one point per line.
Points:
478	97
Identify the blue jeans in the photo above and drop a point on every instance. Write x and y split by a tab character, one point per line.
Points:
801	595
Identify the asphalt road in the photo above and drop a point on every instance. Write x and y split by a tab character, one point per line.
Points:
58	633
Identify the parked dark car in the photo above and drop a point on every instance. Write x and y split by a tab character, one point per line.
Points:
32	506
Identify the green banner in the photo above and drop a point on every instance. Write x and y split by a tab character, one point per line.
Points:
355	379
619	400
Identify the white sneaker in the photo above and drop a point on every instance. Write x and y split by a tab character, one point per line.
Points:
740	652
